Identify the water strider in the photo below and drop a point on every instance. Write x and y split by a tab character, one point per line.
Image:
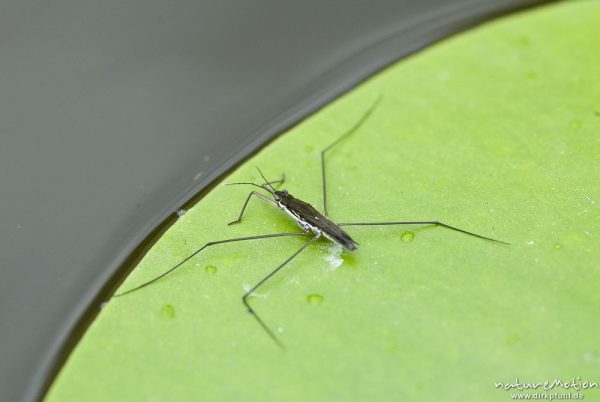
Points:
313	224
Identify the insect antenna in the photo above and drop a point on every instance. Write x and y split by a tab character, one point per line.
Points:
266	181
252	184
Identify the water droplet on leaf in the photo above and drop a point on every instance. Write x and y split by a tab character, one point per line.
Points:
314	299
407	236
167	311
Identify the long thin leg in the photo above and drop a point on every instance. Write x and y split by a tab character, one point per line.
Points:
334	143
212	243
256	194
262	281
436	223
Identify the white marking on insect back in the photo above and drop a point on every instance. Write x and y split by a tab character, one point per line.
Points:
307	226
302	223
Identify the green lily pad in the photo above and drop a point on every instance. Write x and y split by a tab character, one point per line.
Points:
496	131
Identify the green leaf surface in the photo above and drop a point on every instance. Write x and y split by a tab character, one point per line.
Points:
496	131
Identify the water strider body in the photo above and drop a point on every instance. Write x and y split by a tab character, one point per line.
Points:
311	221
307	217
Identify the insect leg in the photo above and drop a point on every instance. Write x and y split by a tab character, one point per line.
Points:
262	281
260	196
212	243
337	141
436	223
